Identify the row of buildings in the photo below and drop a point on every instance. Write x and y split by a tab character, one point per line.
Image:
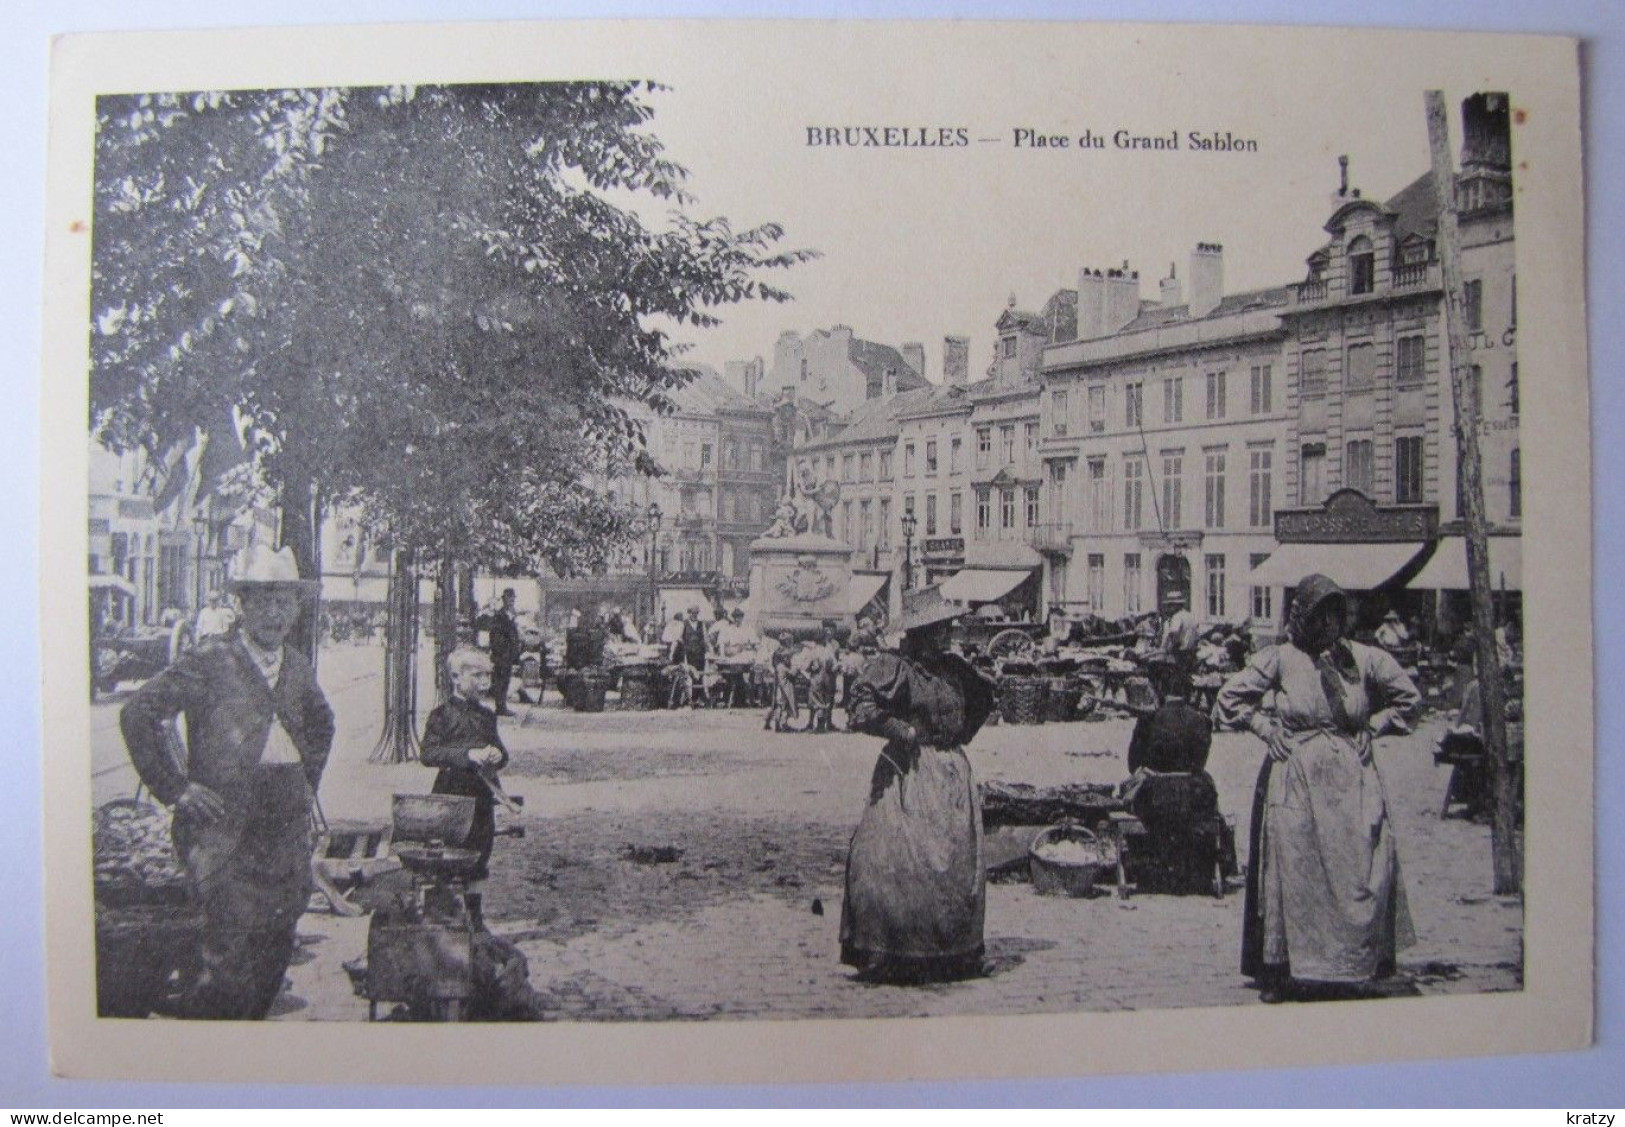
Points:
1118	446
1121	447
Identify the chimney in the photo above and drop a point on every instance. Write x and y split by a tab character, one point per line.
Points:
1169	288
914	356
956	360
753	377
888	384
1091	304
1486	132
1207	278
1122	299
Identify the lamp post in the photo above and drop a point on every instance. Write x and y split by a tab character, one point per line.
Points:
200	532
653	515
909	525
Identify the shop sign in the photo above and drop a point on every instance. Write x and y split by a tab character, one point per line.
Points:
944	546
1350	516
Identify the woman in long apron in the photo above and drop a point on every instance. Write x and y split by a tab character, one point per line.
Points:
915	887
1325	909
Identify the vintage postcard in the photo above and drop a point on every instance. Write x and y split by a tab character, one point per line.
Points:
686	551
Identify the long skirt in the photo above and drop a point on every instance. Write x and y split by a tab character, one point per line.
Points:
916	892
251	869
1325	899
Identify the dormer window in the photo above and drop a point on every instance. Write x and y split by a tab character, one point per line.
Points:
1362	266
1008	347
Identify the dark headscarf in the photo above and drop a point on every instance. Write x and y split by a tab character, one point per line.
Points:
1335	662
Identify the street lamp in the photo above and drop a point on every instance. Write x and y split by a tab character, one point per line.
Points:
909	525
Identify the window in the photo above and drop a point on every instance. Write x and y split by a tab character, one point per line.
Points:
1173	488
1007	442
1029	437
1515	486
883	531
1362	266
866	525
730	454
1408	361
1512	389
1313	383
1312	473
1262	398
1007	347
984	446
705	455
1215	395
1260	472
908	505
1213	488
804	371
756	455
885	465
1173	399
984	516
866	467
1361	373
1058	412
1472	300
1357	467
931	458
829	467
846	466
955	448
1262	597
930	514
1215	586
1099	505
908	459
1408	469
1031	499
1131	583
1007	508
1097	583
1133	493
956	513
1134	405
1097	409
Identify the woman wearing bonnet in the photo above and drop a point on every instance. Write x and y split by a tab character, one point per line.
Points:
1325	910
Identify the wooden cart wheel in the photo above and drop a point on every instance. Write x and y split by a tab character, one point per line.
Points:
1010	643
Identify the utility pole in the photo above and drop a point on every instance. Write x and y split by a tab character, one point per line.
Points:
1504	835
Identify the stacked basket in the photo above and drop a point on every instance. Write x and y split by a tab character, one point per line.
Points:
1022	699
1061	703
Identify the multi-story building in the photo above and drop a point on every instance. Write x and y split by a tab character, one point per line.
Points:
839	370
1161	438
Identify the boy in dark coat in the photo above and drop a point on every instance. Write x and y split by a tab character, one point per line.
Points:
461	739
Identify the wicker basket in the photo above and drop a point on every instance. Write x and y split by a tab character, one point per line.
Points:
640	688
1056	876
1061	703
1022	699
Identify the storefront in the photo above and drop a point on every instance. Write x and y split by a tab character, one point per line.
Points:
1372	551
1005	574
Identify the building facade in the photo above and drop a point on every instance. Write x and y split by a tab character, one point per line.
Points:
839	370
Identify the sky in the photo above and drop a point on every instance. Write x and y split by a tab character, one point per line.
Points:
920	243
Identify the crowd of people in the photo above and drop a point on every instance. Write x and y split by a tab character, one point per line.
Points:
1325	911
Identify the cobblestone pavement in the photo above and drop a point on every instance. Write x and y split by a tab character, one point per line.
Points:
743	922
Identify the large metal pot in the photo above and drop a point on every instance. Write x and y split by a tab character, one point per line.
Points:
446	818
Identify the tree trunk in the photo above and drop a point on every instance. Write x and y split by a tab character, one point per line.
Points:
445	625
398	742
301	532
1504	844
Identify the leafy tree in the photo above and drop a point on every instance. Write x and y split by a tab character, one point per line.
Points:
430	302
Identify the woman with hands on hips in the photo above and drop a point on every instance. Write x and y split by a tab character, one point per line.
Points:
1325	909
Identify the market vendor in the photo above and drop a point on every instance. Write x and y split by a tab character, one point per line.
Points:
461	739
258	735
1393	634
1177	737
1179	636
734	645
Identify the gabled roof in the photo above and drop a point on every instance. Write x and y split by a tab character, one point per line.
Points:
1416	209
707	392
874	359
875	421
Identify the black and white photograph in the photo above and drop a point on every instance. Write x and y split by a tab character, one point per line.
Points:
791	544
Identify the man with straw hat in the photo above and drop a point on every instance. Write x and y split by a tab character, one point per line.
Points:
258	735
916	891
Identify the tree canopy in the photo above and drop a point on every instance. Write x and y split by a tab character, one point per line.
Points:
433	302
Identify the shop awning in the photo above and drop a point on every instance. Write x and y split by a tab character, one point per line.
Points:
112	583
862	590
974	585
1354	567
1447	570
